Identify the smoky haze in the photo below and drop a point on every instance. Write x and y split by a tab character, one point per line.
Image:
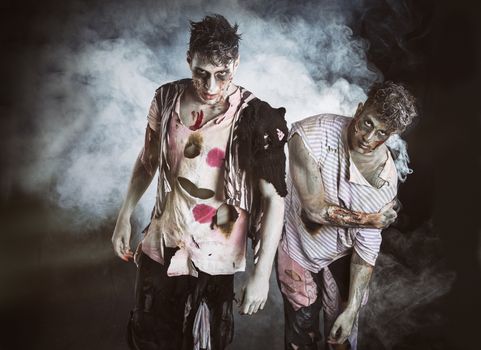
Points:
96	79
88	94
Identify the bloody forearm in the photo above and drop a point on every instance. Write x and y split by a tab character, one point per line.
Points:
335	215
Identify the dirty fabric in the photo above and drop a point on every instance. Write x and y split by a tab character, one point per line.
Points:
325	138
240	184
262	134
180	312
190	219
237	190
306	294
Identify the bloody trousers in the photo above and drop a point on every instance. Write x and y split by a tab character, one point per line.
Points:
164	316
301	325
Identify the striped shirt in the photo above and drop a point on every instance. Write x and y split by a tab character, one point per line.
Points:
325	138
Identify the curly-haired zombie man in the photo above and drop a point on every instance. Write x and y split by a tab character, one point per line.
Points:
220	156
342	189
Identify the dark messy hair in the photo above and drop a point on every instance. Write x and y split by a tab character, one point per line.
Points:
215	39
393	103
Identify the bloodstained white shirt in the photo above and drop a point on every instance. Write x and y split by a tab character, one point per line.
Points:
195	159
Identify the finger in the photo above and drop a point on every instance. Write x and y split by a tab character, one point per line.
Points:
255	307
398	205
334	330
242	297
394	215
117	249
128	252
250	307
245	307
261	307
390	214
343	337
128	256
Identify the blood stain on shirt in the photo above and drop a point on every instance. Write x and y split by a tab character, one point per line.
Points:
193	146
225	219
203	213
215	157
199	117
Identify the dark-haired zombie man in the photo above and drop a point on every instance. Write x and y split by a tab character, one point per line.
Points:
342	188
219	152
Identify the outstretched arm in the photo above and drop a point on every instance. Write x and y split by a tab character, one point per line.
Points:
254	294
361	273
142	175
308	183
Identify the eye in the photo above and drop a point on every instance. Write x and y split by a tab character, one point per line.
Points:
221	75
368	123
201	72
382	133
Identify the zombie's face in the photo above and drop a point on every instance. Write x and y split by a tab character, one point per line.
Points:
367	131
211	81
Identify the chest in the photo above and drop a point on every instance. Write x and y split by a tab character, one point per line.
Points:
345	188
194	115
198	153
370	167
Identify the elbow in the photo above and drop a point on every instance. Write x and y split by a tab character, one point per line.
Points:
311	221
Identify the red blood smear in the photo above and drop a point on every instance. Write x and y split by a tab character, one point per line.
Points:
203	213
215	157
198	120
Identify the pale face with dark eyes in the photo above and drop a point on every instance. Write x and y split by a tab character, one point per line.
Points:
366	132
211	82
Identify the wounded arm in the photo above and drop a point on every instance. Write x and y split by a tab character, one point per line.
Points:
307	180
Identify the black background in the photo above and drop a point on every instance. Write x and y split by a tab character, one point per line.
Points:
84	307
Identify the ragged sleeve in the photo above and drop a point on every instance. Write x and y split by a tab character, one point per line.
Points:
150	152
262	135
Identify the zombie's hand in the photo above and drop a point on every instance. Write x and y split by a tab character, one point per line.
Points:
254	294
342	327
386	216
121	239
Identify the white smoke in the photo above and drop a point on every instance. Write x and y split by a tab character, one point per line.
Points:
95	88
401	158
95	80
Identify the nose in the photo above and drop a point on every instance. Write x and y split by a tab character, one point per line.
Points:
368	136
211	85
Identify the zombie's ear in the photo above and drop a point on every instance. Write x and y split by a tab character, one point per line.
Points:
282	111
359	109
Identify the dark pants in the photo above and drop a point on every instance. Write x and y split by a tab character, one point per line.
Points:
160	320
301	327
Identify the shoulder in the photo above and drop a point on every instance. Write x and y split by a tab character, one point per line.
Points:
246	95
261	116
320	127
170	89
